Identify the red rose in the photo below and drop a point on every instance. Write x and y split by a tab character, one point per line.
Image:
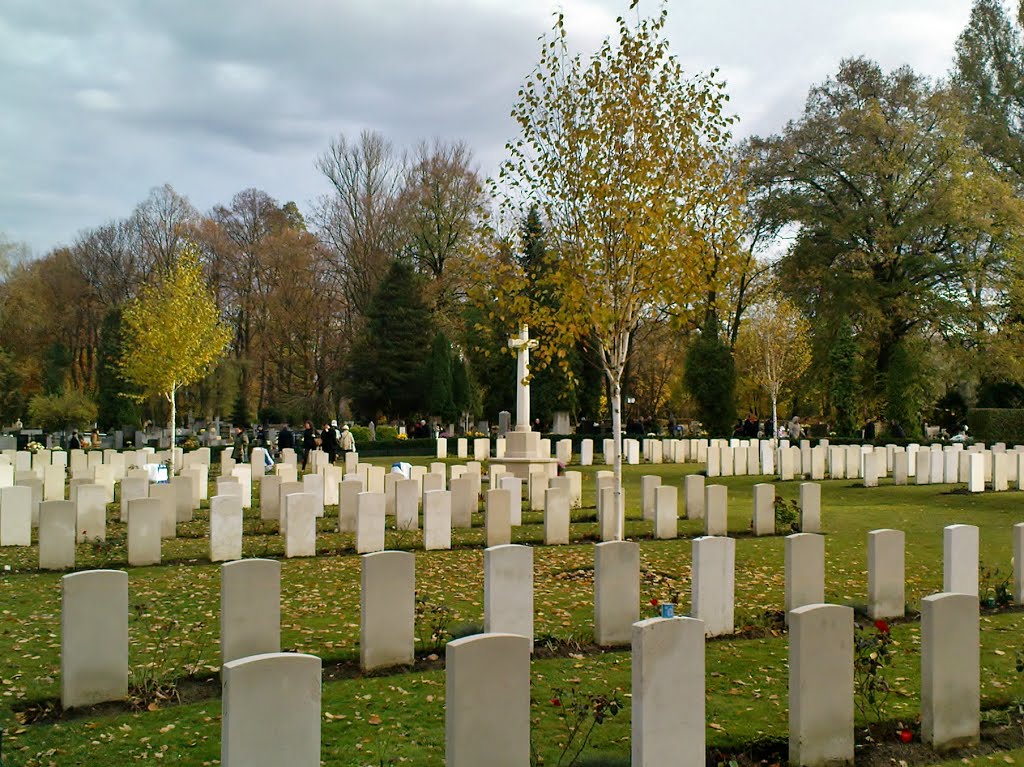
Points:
654	602
882	626
556	702
906	736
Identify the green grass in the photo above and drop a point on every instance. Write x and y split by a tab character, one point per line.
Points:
372	720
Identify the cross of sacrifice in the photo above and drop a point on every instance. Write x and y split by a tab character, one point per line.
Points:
522	343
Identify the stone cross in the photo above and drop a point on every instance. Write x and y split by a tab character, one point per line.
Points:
522	344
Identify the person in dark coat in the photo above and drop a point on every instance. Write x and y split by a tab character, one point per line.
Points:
75	443
308	443
329	442
285	438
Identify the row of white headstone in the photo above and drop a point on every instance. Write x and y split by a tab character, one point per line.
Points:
272	713
94	658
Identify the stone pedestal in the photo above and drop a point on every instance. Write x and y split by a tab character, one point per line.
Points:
523	455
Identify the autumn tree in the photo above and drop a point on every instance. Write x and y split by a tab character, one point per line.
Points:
888	200
618	150
173	334
774	348
359	220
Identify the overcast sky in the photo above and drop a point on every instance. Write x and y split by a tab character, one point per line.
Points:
101	100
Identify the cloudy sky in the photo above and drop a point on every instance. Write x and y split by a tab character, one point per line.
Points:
104	99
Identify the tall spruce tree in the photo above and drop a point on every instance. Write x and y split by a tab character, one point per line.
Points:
440	401
386	364
117	398
842	389
711	378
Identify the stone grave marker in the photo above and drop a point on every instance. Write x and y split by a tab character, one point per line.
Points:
94	637
487	701
250	608
950	671
56	535
714	583
388	602
616	591
821	685
226	527
271	711
437	519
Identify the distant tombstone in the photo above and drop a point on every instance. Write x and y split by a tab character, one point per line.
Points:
666	512
15	516
369	523
960	559
437	519
561	423
504	423
166	495
56	535
91	511
764	509
407	498
556	517
144	527
515	486
300	525
270	500
348	500
716	510
225	528
805	570
498	518
810	507
693	494
886	584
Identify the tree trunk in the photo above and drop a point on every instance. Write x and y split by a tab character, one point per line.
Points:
775	417
174	416
620	522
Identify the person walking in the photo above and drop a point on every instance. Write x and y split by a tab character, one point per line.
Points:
285	439
348	442
240	450
308	443
329	442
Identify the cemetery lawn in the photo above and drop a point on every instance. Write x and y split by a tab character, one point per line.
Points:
398	717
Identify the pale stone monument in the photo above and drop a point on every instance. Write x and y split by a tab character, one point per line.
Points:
523	453
821	685
714	583
950	670
508	590
388	610
668	721
250	608
271	711
805	570
94	637
616	591
886	590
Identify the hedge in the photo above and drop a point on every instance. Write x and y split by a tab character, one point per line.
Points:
991	424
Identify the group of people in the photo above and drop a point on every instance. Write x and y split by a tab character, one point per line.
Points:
330	439
752	428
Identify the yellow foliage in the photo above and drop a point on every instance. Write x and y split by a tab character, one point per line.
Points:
173	331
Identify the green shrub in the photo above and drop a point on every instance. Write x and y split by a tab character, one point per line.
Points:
361	434
990	424
387	433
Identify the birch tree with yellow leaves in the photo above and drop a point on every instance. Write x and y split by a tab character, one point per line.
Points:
773	348
173	332
623	153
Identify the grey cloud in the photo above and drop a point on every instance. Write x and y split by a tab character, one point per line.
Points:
107	98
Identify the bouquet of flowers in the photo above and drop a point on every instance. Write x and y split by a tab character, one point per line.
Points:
35	447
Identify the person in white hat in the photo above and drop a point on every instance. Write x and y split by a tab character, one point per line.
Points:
348	443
